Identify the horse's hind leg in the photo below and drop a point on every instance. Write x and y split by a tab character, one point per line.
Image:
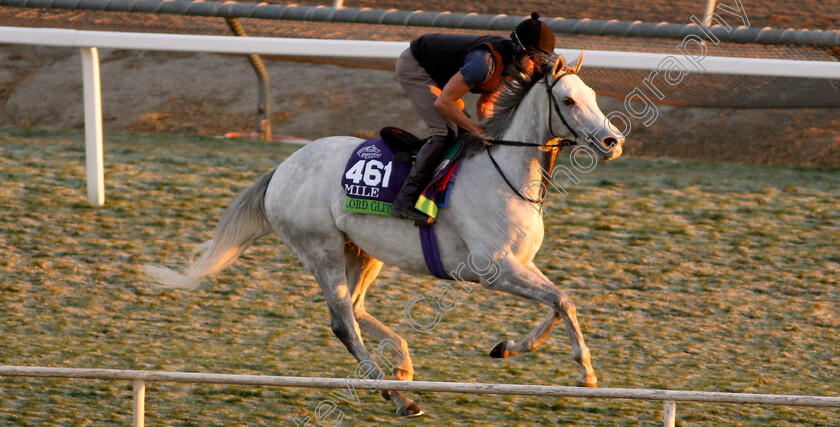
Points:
531	341
322	253
361	269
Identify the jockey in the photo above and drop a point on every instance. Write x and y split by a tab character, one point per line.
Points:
438	69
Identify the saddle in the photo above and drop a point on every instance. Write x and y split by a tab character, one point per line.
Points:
378	167
404	143
405	146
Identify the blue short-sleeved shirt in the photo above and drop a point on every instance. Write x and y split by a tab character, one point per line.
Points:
479	65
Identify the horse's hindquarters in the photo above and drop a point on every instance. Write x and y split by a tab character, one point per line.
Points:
306	188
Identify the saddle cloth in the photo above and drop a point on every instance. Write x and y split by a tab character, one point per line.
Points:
375	173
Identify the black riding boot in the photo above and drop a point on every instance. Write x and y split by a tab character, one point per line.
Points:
421	173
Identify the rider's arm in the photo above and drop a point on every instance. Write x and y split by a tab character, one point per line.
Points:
448	103
484	105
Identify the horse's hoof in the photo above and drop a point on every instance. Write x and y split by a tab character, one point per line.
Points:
499	351
410	410
588	381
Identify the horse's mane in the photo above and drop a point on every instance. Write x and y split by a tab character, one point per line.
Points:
512	92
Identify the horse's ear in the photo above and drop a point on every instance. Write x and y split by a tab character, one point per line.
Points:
559	66
578	63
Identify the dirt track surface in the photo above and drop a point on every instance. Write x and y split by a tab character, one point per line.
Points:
215	94
686	276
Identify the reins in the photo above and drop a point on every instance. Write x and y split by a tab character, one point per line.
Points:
554	147
561	143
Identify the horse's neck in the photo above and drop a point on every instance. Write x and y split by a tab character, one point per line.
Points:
529	124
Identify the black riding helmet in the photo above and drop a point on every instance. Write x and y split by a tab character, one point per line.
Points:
534	35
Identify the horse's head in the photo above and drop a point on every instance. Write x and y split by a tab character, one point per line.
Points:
573	111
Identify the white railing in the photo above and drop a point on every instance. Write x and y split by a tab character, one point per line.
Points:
669	397
89	41
380	49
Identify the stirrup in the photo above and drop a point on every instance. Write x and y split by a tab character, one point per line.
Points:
420	219
427	223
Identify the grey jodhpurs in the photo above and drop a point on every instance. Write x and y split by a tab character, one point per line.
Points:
422	91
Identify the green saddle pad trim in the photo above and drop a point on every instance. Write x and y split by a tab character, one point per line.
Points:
365	206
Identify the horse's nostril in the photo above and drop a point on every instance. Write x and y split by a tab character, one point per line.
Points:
610	142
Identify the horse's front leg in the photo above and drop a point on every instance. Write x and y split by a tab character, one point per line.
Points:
518	280
533	340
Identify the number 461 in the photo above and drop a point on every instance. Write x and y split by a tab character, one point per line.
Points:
370	171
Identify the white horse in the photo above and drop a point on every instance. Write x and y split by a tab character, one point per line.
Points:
301	200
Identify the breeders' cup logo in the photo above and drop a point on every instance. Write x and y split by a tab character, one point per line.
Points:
369	152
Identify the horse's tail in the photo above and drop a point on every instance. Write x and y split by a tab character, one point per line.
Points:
243	222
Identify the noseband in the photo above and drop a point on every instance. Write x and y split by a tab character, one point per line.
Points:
554	148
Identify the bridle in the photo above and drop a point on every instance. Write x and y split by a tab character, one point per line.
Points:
556	105
554	148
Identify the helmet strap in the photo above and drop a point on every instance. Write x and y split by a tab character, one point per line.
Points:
518	41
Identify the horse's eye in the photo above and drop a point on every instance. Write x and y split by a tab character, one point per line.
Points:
568	101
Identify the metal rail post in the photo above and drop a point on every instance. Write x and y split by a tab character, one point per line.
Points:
710	9
669	413
93	126
139	403
263	103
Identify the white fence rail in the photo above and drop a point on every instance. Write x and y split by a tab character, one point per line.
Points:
89	41
669	397
380	49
